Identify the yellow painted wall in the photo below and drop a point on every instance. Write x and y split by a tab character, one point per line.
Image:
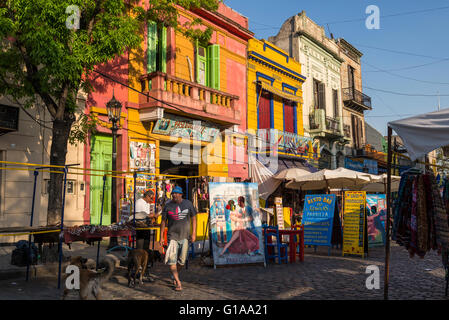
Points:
254	67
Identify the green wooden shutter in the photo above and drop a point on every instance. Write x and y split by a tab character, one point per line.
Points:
201	65
162	50
152	46
213	55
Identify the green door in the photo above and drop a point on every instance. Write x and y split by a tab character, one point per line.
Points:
100	158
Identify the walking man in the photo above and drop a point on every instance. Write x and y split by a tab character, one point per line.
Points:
178	213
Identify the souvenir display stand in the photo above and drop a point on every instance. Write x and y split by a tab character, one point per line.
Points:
428	226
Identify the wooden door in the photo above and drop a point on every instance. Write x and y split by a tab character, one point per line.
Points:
100	158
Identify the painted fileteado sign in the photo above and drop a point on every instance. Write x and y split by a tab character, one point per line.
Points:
185	128
318	219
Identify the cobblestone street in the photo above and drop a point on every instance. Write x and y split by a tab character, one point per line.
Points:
319	277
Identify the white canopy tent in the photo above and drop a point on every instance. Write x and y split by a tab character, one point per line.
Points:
379	184
290	174
420	134
424	133
340	178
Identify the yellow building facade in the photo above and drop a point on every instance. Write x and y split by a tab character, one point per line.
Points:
275	100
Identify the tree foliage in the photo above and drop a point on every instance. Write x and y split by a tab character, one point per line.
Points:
42	59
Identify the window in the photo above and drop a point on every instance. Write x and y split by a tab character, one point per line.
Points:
357	131
208	66
157	48
289	116
71	184
319	94
264	110
335	100
201	65
351	77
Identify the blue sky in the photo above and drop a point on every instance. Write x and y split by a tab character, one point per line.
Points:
411	34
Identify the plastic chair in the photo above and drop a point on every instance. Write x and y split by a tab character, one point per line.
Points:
124	243
279	249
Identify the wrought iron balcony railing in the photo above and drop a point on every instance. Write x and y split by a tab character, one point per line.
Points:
351	94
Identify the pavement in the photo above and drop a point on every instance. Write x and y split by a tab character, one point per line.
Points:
319	277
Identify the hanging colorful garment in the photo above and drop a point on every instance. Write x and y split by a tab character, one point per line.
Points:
432	244
423	226
413	245
440	216
403	218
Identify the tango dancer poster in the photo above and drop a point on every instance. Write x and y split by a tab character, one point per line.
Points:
376	208
235	223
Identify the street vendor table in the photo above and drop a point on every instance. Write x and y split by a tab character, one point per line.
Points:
86	232
294	234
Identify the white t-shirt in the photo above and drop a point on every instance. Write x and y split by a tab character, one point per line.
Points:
142	206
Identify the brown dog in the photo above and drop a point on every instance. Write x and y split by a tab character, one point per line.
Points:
137	262
91	280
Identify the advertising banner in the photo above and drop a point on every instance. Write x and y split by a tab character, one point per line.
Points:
376	208
318	218
235	223
354	223
185	128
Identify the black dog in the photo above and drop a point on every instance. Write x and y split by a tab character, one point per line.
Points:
153	256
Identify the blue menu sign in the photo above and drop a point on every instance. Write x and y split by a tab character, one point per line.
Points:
318	218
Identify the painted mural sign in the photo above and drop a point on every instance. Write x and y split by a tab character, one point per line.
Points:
142	156
235	223
376	208
354	223
291	143
318	219
302	146
185	128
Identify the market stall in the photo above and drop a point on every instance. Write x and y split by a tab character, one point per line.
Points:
418	192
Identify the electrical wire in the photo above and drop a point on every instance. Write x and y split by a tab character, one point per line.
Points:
269	27
411	67
407	94
407	78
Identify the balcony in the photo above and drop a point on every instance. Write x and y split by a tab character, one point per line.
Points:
356	100
187	98
321	125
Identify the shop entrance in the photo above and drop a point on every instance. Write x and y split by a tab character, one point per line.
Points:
188	167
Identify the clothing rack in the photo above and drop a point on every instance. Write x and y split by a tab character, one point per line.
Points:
389	210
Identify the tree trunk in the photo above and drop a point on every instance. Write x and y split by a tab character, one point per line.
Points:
61	131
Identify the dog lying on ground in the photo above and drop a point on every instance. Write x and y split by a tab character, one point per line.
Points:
137	263
91	280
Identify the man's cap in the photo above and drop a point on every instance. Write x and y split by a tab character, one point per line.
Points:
177	189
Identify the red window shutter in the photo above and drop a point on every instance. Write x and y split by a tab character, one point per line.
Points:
264	110
289	116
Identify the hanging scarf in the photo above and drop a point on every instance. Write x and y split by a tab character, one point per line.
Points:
423	228
440	216
413	245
